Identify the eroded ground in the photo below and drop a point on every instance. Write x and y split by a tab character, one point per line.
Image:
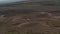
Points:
30	23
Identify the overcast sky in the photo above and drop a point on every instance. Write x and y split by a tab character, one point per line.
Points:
8	1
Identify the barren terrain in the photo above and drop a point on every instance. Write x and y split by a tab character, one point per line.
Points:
30	18
34	22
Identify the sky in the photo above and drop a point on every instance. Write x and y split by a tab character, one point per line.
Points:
8	1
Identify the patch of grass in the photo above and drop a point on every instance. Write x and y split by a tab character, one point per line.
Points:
56	23
20	31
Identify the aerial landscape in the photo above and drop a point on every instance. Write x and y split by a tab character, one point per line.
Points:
27	17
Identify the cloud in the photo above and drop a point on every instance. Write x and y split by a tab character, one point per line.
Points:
9	1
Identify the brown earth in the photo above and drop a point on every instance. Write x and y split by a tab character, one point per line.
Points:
15	22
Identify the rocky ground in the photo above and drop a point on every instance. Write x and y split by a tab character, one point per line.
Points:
32	22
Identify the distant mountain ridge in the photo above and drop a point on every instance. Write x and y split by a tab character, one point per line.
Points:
41	5
12	3
45	3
